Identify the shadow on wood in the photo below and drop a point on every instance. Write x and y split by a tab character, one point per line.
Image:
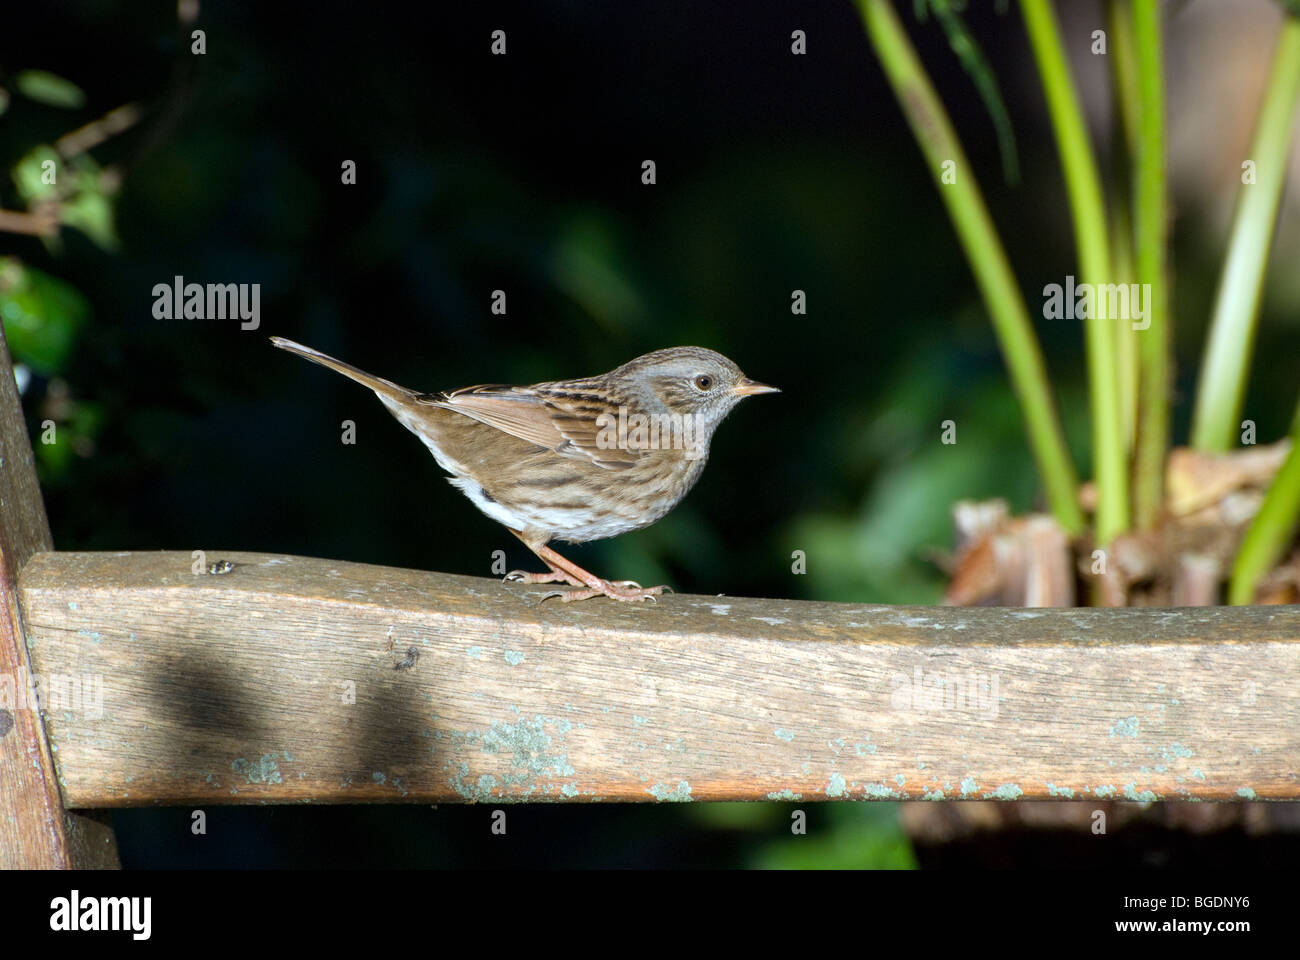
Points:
290	679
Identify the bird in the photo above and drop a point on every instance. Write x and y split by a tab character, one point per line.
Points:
573	460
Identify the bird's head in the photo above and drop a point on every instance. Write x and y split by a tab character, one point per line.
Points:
690	381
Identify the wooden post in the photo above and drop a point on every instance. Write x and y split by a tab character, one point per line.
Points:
35	830
289	680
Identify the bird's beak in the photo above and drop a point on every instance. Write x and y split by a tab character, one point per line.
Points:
748	388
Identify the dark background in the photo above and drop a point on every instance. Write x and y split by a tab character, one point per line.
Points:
522	173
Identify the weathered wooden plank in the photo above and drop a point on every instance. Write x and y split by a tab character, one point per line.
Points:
35	830
234	688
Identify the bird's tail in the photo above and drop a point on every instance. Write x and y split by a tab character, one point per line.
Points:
385	388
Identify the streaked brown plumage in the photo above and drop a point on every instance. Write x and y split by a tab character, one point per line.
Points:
575	460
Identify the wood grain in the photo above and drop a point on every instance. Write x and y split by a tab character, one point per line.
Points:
234	688
35	830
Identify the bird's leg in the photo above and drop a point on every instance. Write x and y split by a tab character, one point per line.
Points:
526	576
594	585
566	571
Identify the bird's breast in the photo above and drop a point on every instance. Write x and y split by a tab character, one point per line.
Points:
566	495
578	501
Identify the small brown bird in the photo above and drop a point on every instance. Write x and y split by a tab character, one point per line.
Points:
575	460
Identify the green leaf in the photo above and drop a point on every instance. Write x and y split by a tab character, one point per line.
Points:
74	435
53	91
858	836
976	65
58	444
87	206
91	212
29	172
41	316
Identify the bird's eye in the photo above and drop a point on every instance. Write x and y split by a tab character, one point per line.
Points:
704	382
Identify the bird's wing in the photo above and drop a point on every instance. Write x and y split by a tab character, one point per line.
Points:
551	419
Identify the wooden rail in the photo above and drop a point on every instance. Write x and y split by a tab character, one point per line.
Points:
35	829
290	679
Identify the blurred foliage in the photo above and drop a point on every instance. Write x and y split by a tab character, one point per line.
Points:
84	197
839	835
88	206
856	836
971	56
42	316
29	174
521	173
53	91
79	187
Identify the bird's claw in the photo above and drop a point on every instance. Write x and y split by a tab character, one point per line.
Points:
526	576
626	590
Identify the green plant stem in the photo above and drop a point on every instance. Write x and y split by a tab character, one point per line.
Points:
979	239
1151	232
1273	528
1083	184
1126	344
1222	388
1123	57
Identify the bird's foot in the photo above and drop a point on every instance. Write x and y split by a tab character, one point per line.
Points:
636	586
554	576
588	584
626	590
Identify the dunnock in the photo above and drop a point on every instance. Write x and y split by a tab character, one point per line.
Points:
576	460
